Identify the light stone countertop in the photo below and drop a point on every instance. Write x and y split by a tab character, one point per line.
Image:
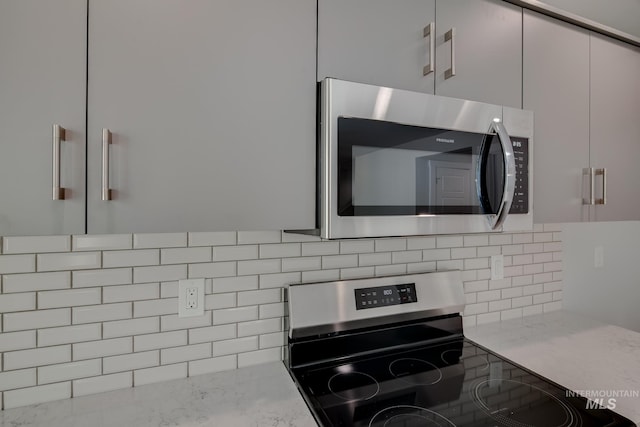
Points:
577	352
262	395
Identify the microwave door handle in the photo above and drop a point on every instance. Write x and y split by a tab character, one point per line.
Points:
510	174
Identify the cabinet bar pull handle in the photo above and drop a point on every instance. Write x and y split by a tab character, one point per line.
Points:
602	172
590	172
429	32
106	141
58	135
450	35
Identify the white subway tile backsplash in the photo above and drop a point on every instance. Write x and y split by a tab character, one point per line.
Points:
125	328
101	313
17	302
124	293
69	298
159	240
233	346
163	273
133	258
234	284
302	263
320	248
256	237
263	296
185	353
280	250
17	379
17	340
36	357
262	266
104	242
107	277
155	307
17	264
121	293
128	362
215	364
220	238
69	371
160	373
34	395
172	322
211	269
69	261
216	301
260	356
212	333
103	348
69	334
158	341
31	244
85	386
26	320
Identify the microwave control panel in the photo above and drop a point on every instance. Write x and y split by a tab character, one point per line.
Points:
383	296
520	204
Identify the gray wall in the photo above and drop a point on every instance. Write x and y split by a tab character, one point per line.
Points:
610	293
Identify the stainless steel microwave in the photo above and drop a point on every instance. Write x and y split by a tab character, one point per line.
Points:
396	163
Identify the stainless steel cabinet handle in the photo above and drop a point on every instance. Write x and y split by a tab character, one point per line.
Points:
58	135
602	172
450	36
106	141
509	173
429	32
590	173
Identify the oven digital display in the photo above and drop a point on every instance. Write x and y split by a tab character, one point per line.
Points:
383	296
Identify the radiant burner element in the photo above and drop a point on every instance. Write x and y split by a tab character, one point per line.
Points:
353	386
415	371
409	416
516	404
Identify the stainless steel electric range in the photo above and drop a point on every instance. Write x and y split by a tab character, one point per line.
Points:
390	351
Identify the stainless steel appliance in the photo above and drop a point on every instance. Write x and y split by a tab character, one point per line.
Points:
394	162
390	351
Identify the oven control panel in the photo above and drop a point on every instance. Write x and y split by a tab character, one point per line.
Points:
520	203
382	296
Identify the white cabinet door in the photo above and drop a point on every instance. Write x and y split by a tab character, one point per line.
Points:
615	126
42	83
487	51
211	108
378	42
556	89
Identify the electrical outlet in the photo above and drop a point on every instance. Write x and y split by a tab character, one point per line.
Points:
190	297
598	257
497	267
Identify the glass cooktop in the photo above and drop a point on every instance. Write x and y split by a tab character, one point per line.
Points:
455	383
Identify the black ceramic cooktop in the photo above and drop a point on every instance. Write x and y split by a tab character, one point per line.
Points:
455	383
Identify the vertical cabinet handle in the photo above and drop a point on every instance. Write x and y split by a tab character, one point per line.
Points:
58	135
602	172
106	141
429	32
590	173
450	36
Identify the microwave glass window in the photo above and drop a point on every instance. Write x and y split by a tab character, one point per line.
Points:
387	168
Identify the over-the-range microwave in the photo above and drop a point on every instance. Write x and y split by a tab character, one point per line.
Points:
396	163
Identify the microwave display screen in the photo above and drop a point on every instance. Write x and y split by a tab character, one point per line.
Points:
387	168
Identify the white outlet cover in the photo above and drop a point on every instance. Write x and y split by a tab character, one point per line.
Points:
497	267
183	287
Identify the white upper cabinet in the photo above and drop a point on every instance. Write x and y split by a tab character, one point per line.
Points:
485	38
379	42
42	83
396	43
615	127
556	89
210	108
